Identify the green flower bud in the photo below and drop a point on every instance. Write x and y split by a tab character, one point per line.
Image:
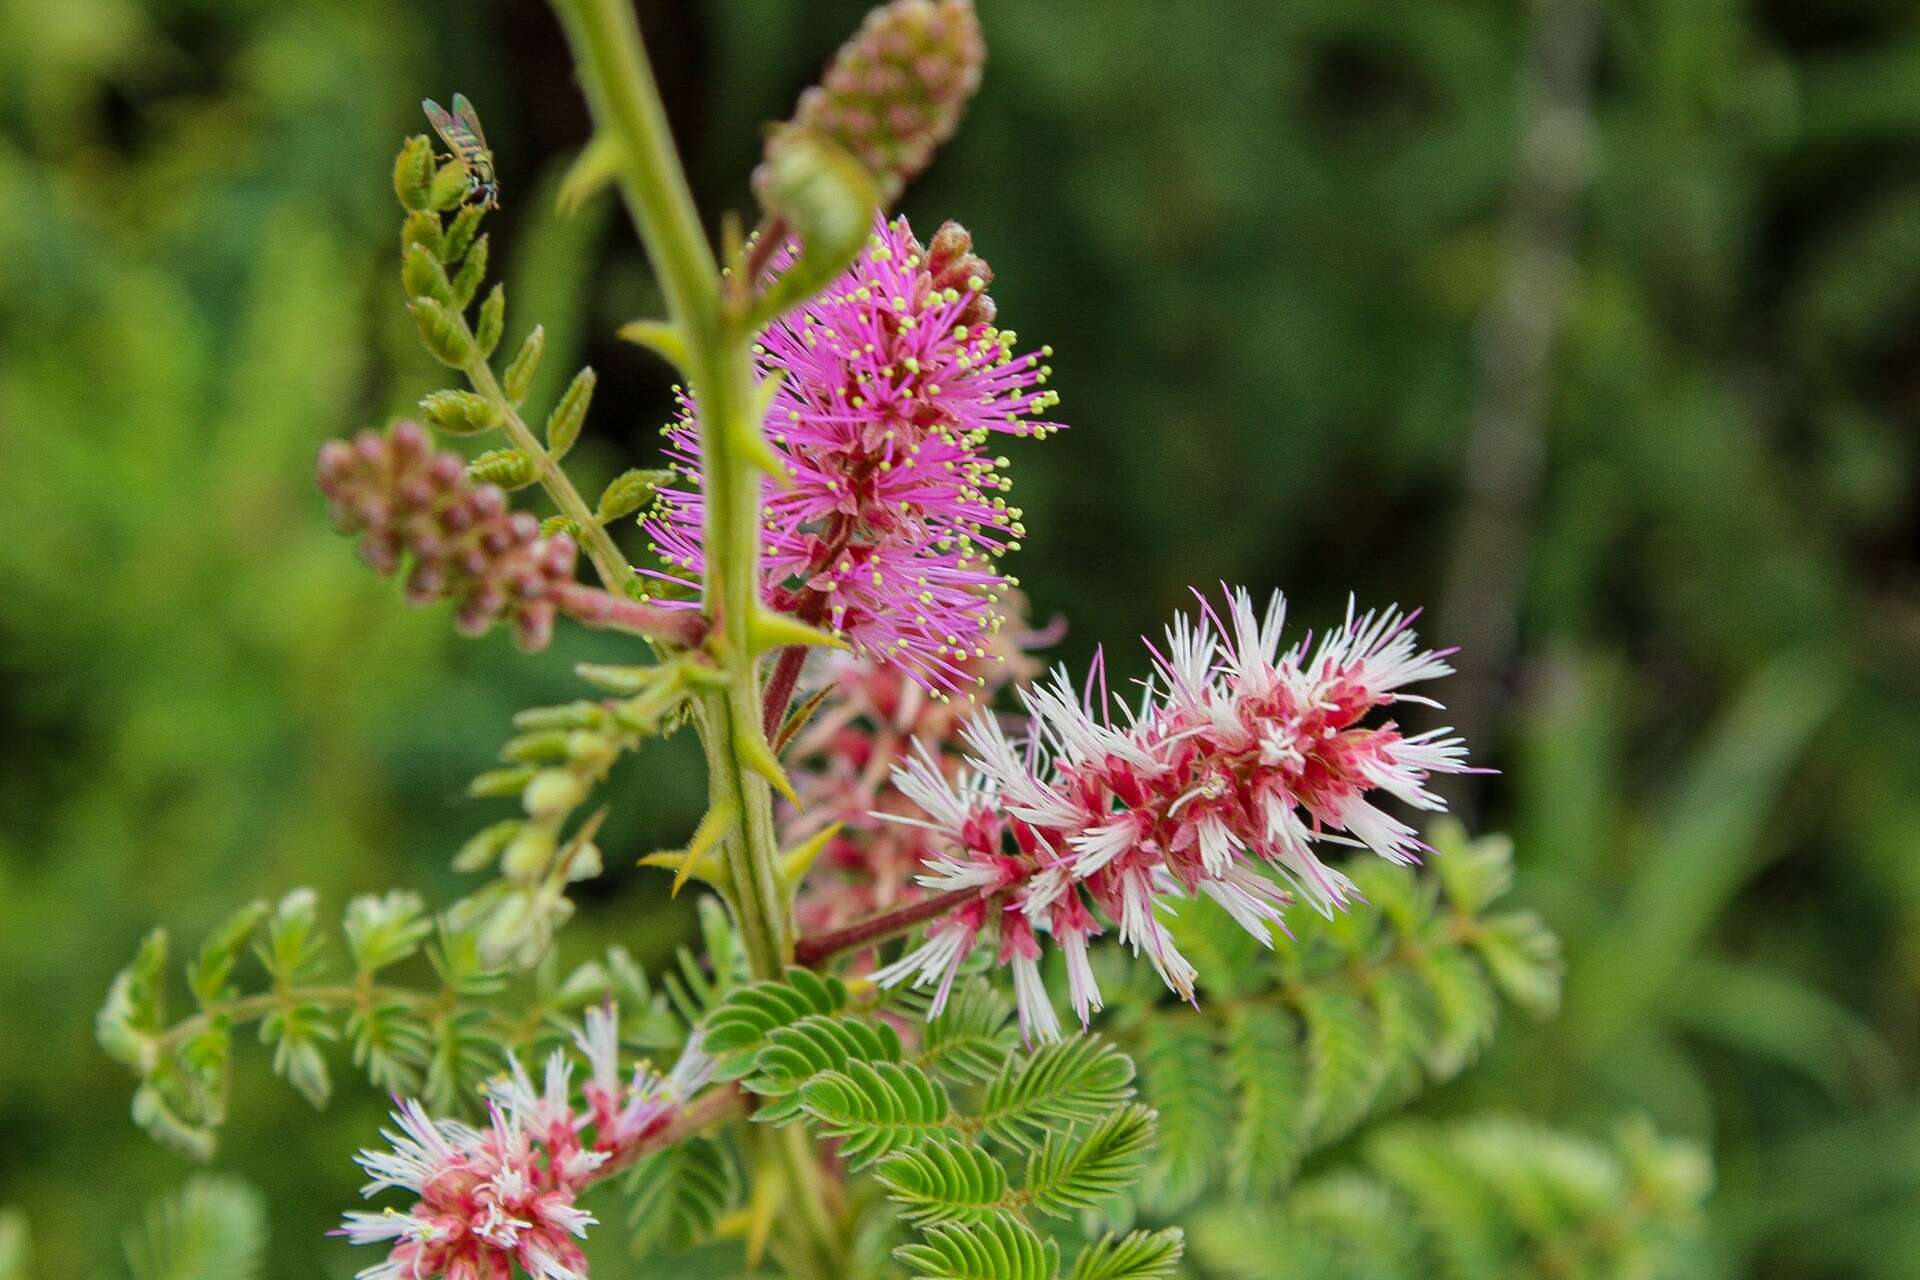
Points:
553	792
423	229
563	425
542	746
508	468
472	273
493	319
500	782
628	492
586	863
480	852
442	333
622	680
458	234
590	751
568	715
460	413
527	854
449	185
518	379
413	173
424	277
507	928
827	197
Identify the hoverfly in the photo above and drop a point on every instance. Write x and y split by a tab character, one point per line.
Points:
462	134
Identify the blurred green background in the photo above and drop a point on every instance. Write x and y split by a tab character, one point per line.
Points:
1593	327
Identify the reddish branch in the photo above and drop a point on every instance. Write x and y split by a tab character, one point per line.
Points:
593	607
810	607
815	948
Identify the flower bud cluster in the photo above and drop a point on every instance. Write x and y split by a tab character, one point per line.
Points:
461	542
1240	762
502	1197
897	89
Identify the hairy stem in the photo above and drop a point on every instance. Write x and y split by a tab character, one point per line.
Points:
816	948
594	608
780	687
627	107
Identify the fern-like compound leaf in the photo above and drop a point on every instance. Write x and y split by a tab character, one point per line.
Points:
1465	1004
945	1180
1063	1083
973	1036
1264	1058
998	1248
798	1052
679	1193
211	1229
1180	1071
1343	1060
737	1027
1138	1255
876	1109
1079	1172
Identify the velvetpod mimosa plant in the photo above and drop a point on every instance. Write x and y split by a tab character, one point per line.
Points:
849	1103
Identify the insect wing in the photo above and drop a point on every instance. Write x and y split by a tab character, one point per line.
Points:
469	120
443	124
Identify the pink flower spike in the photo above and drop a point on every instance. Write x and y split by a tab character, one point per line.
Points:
1245	760
894	514
491	1200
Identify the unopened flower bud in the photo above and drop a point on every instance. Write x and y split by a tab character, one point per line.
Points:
413	173
628	492
553	792
460	413
953	265
898	88
479	853
589	750
527	854
827	199
449	185
533	626
507	926
465	543
508	468
336	458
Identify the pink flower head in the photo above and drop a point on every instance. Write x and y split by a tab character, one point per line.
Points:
1242	760
895	514
503	1196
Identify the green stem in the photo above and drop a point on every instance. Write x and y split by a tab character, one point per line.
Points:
627	108
810	1190
599	545
626	102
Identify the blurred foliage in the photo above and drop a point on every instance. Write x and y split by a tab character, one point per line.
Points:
1262	247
